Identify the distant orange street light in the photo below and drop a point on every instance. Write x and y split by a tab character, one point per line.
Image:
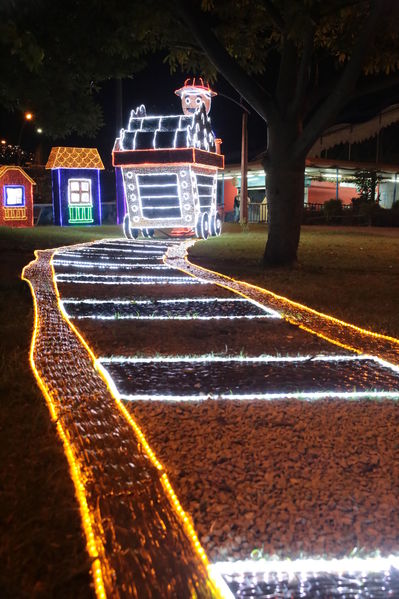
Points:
3	142
28	116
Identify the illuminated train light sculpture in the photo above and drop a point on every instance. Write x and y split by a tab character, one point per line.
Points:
169	166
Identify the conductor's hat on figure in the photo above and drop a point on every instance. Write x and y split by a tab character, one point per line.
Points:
192	94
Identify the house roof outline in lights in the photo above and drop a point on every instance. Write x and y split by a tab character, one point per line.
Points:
64	157
5	168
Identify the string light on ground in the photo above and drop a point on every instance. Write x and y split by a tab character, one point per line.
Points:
110	266
347	565
238	389
86	515
185	309
219	587
319	360
128	280
293	312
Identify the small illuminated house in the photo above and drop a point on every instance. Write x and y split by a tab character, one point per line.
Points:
168	167
16	197
75	179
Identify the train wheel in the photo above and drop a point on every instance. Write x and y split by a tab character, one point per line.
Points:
134	233
126	227
145	233
212	225
151	233
198	227
205	226
218	225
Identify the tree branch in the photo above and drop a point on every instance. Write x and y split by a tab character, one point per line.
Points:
286	75
274	14
373	87
247	87
304	70
345	85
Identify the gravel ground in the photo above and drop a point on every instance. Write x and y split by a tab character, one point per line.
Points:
251	337
290	477
137	291
222	378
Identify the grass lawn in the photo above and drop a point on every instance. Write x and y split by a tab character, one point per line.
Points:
42	550
348	272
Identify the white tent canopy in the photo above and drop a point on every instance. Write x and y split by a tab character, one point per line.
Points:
355	133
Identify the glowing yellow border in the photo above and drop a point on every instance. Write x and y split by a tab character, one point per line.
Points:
76	475
88	517
220	589
292	304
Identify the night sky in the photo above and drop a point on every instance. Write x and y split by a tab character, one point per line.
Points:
153	87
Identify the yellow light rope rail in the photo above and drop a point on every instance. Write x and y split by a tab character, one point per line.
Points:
190	556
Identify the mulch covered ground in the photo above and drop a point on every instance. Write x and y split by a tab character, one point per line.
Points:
287	477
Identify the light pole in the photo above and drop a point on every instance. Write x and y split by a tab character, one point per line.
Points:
244	159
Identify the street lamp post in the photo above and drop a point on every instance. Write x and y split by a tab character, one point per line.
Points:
244	170
244	159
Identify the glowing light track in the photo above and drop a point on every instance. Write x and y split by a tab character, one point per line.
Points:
185	309
126	280
329	328
110	266
87	416
348	565
375	377
245	378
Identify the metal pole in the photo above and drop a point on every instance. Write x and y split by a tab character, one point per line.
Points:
119	105
244	171
337	185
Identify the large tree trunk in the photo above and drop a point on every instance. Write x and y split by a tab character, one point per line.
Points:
285	181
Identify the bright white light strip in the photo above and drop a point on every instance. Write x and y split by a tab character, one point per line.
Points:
269	311
111	265
303	395
105	301
130	281
106	258
306	566
155	278
160	207
131	251
252	359
155	317
184	300
136	244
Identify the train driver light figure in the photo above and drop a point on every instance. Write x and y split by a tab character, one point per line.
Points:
193	95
